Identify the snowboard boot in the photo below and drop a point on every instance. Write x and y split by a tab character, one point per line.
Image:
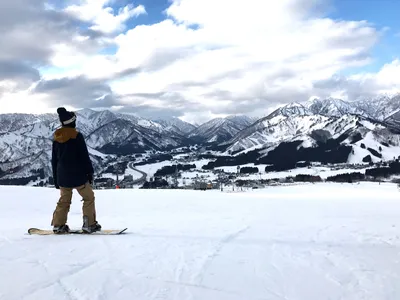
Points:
61	229
92	228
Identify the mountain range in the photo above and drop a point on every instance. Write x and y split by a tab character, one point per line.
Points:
369	127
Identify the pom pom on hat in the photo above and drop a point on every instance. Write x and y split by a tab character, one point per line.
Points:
61	110
66	117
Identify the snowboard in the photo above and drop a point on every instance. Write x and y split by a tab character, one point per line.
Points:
76	231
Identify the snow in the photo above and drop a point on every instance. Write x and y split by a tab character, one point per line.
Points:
371	126
148	124
175	124
279	243
200	163
370	141
323	172
112	175
233	169
188	177
98	153
151	169
135	174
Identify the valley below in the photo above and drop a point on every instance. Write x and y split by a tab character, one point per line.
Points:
322	140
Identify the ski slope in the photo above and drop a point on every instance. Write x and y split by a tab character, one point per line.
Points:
305	242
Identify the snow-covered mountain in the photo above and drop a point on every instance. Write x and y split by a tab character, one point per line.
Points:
25	140
123	136
174	124
291	110
293	123
241	120
12	122
90	120
364	128
220	129
332	107
27	151
378	108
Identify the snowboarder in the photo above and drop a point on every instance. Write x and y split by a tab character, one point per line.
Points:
72	169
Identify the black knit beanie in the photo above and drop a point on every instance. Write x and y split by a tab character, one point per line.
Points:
67	118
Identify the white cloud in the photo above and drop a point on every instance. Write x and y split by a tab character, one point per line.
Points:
103	17
238	16
385	81
23	102
388	76
217	57
258	51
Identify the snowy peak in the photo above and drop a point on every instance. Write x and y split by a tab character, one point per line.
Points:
88	120
241	120
362	139
220	129
377	108
13	122
137	120
176	125
125	137
86	113
290	110
332	107
275	129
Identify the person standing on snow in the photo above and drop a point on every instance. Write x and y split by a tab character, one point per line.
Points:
72	169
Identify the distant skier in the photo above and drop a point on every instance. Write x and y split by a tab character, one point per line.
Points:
72	169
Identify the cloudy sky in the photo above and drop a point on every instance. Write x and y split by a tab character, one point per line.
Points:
194	59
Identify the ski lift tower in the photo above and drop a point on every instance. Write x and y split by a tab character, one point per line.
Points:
176	176
117	171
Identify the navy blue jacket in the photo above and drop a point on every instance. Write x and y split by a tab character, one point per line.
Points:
70	160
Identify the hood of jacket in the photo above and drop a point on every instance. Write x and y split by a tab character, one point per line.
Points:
64	134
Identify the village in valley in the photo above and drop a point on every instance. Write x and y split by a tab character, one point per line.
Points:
188	171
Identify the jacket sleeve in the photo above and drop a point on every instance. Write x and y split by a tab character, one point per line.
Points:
54	160
85	158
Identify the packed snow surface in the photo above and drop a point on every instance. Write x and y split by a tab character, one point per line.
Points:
304	242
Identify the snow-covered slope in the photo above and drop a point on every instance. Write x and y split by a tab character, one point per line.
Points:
176	125
123	136
142	122
241	120
24	135
281	243
220	129
291	110
90	120
25	151
333	107
12	122
365	137
25	139
276	128
377	108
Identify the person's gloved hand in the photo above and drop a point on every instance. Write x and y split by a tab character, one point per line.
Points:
90	178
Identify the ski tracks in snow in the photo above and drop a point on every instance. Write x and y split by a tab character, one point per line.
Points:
215	252
221	248
72	293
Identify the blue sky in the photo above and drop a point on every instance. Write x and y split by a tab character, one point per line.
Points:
381	14
249	57
154	10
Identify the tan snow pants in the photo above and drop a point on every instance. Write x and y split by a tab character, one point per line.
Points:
60	214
